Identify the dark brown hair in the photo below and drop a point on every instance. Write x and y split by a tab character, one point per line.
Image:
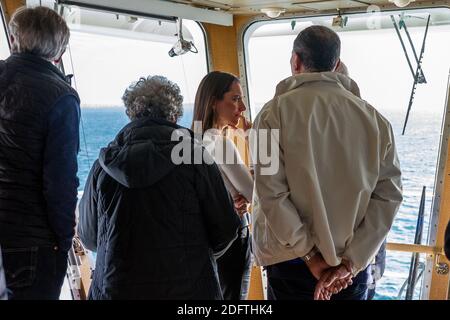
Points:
318	47
212	87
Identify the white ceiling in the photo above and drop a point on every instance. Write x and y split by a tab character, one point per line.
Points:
254	6
222	11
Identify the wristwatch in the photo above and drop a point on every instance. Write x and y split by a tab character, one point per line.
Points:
310	255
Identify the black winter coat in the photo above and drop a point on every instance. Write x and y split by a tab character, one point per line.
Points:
155	225
38	183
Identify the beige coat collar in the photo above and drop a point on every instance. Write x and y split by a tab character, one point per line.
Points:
299	80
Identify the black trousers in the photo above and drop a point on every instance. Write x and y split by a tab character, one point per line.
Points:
234	267
292	280
34	273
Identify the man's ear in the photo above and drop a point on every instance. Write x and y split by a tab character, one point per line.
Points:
296	64
338	63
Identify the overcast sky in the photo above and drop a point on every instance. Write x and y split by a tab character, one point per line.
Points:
375	61
4	49
104	66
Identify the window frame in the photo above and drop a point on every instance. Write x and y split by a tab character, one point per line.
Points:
4	25
208	59
244	35
252	24
62	7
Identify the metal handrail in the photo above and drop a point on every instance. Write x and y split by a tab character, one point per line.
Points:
402	289
412	277
405	247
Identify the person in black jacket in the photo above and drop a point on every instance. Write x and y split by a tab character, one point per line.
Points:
39	120
156	224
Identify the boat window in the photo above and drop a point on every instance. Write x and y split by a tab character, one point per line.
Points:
4	46
108	52
373	53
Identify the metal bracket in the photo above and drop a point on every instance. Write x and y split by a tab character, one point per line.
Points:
441	268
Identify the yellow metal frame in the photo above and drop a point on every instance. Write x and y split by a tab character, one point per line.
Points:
403	247
10	6
439	285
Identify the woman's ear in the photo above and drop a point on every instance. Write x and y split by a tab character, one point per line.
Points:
213	105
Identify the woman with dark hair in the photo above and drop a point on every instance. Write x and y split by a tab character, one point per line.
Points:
218	105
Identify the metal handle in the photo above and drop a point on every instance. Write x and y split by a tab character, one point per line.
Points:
441	268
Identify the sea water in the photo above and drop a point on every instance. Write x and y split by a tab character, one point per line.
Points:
417	150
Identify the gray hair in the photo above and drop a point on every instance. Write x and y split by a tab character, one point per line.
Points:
318	47
154	96
40	31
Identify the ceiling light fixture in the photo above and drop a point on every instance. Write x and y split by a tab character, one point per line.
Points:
339	21
401	3
273	12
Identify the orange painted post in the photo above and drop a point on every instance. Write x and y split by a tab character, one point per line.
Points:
439	288
11	6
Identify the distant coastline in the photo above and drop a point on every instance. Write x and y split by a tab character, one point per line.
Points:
187	106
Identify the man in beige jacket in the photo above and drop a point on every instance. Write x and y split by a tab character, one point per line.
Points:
321	217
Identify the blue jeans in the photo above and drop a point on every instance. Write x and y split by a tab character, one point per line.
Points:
34	273
292	280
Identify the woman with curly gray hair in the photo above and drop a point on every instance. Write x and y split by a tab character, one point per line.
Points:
154	224
155	97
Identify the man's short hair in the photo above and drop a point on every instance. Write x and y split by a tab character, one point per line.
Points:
39	31
318	47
